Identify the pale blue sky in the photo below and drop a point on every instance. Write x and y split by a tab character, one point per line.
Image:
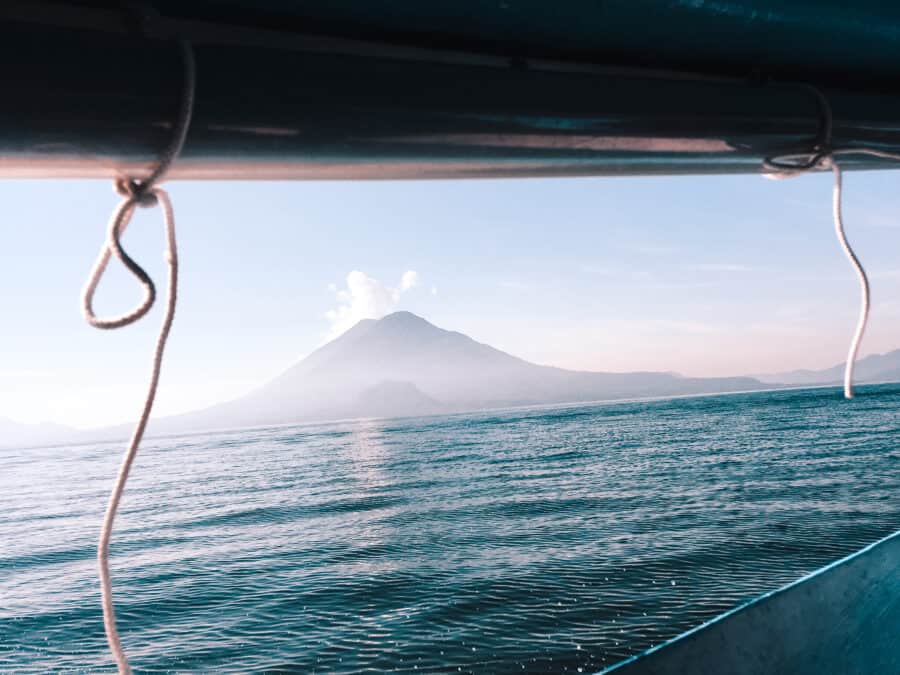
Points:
701	275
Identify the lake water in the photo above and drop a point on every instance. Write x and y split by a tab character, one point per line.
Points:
540	540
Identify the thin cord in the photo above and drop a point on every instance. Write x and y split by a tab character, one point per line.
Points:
121	217
136	193
823	157
179	133
863	281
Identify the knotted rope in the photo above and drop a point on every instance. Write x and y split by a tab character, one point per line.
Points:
822	157
144	193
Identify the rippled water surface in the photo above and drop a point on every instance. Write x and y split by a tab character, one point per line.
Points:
545	540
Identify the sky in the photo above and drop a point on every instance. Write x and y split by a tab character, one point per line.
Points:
700	275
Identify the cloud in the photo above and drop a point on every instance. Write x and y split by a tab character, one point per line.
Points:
885	273
652	250
882	218
410	279
366	298
24	374
720	267
597	270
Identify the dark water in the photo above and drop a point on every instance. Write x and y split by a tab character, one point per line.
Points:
541	540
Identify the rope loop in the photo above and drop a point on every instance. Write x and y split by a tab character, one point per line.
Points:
143	193
818	158
118	222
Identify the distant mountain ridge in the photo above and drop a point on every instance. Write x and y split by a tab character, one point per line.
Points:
403	365
872	368
14	433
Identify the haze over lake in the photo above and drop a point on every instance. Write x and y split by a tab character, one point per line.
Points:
403	365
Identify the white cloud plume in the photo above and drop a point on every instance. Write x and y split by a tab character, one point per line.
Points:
409	279
366	298
720	267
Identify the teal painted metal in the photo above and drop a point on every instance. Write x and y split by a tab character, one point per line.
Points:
841	620
401	89
827	41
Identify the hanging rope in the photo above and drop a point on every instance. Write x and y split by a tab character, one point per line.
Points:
144	193
822	157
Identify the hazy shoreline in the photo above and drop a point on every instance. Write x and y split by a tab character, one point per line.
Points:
459	413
